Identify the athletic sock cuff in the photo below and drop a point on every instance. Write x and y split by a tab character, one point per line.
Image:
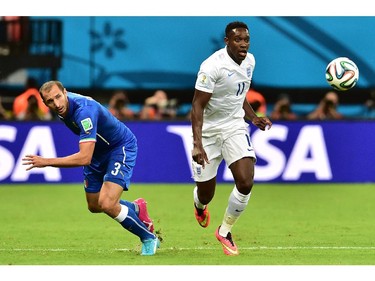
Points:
123	213
239	196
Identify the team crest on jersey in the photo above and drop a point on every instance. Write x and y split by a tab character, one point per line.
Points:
197	169
86	124
249	71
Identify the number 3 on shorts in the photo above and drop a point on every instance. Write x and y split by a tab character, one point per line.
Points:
116	169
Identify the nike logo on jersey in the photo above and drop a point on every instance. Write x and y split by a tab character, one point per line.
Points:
230	74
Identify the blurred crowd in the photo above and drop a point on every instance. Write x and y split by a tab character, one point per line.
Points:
156	107
29	106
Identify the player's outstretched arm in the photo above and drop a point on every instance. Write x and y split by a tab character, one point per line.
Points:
81	158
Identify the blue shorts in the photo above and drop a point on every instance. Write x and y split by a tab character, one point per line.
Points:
117	167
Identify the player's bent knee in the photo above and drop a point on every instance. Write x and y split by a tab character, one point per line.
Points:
94	208
108	207
245	187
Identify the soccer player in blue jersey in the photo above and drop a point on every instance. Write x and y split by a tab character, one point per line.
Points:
108	151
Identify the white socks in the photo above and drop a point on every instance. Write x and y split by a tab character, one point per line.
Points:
198	204
236	205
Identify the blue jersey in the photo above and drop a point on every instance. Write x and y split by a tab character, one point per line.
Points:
93	122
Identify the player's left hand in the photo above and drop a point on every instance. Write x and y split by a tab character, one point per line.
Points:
262	122
33	161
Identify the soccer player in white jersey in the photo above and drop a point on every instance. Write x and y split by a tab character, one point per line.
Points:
219	109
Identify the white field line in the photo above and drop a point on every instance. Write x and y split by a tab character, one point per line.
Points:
259	248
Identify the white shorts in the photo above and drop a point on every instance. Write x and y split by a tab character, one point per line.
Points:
231	149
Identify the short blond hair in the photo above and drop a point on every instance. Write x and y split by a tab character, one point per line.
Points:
46	87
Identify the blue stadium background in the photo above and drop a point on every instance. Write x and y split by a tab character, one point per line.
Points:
165	52
141	54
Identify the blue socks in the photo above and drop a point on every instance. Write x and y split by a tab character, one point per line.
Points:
130	205
130	221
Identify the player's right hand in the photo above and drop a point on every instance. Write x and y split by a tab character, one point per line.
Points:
200	156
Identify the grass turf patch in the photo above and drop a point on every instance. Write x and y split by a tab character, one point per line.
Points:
296	224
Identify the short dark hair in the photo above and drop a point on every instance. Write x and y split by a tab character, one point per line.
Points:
233	25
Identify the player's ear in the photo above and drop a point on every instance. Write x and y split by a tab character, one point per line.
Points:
226	40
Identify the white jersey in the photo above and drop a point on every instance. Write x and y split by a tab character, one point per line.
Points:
228	83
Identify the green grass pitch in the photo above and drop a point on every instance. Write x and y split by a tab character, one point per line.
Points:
284	224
